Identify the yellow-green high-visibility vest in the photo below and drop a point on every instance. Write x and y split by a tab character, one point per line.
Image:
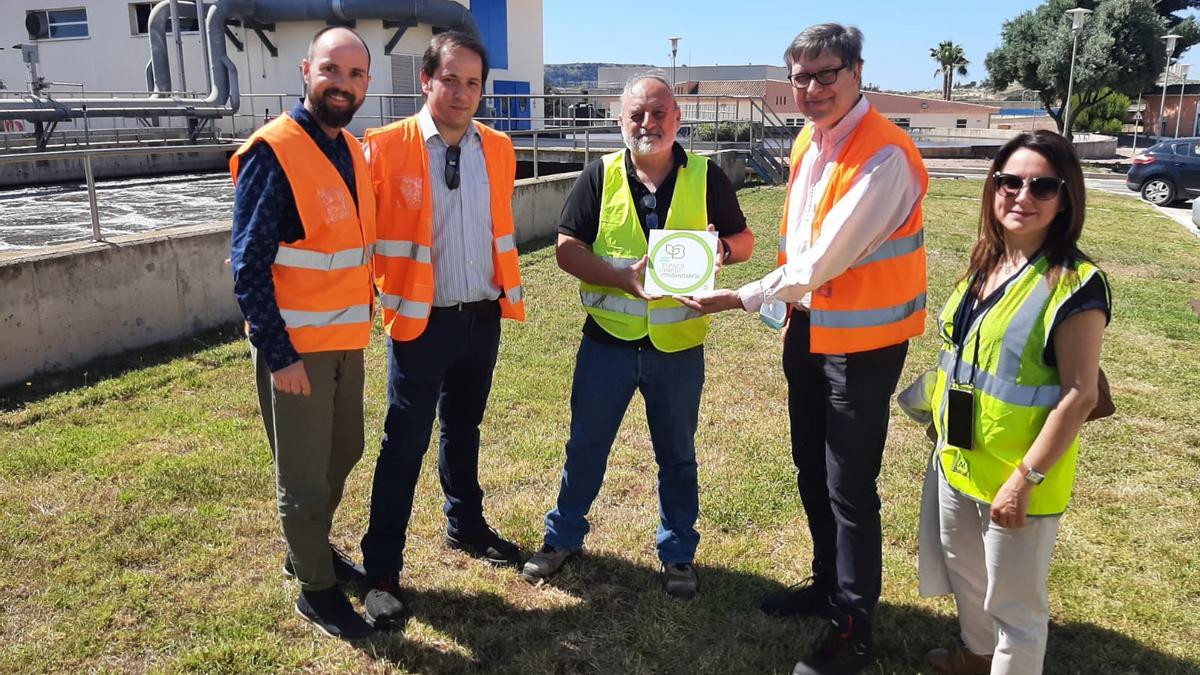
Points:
1014	388
621	242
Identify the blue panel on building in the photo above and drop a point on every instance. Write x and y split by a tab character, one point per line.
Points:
492	17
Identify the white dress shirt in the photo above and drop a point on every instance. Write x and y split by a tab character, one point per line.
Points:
463	270
879	201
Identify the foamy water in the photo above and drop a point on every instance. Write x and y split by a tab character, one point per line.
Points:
32	217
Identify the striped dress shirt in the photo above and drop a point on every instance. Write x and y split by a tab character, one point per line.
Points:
463	270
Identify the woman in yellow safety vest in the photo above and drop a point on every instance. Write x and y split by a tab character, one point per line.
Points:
1017	377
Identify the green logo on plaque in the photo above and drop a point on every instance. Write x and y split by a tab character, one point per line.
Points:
682	250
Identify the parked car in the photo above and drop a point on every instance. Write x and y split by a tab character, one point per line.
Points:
1167	171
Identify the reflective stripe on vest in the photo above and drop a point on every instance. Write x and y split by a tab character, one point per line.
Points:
392	248
621	242
864	318
404	258
323	282
298	319
1015	389
879	300
315	260
406	308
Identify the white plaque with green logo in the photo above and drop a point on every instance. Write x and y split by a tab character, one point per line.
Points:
682	262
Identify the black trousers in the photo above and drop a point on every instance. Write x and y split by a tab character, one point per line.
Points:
839	406
447	370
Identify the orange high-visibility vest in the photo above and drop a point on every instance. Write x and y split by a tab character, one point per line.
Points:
880	300
399	168
323	281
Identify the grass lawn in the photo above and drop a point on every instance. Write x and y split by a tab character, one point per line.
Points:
138	531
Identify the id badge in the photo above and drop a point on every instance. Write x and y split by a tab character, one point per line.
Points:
773	313
960	416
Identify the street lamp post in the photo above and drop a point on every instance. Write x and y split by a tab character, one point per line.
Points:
1137	121
1162	98
674	50
1183	72
1078	15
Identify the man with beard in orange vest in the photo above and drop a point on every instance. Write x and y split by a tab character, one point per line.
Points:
303	230
446	266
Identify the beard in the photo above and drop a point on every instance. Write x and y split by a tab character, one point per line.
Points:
333	117
639	145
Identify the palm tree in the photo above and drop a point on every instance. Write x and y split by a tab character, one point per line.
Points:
951	59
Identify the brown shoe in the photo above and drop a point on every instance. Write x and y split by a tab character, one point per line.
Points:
959	662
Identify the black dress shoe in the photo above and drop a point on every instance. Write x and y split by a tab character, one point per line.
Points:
385	609
344	568
330	611
486	545
811	597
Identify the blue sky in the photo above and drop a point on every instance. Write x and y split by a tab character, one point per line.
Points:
898	34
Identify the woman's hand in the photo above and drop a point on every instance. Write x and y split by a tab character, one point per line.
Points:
1012	501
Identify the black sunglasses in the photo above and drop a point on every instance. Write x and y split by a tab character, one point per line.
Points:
825	77
650	203
1041	187
452	176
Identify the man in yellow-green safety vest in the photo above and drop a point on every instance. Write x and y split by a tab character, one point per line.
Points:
633	341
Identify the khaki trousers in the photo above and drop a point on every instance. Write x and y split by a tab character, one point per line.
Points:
998	576
315	441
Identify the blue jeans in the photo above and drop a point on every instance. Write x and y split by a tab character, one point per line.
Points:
605	378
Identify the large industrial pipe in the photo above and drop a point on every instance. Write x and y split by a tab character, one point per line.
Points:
224	89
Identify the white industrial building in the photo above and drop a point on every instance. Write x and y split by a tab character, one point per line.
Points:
101	47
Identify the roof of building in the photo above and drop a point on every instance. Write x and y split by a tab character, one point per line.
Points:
755	88
897	104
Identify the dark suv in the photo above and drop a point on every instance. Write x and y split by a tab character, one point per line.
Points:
1167	171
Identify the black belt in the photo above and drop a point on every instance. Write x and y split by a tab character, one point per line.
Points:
481	305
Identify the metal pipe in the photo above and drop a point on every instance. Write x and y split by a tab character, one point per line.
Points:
178	44
201	28
91	188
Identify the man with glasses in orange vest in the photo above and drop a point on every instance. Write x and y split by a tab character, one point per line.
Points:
303	230
851	279
446	266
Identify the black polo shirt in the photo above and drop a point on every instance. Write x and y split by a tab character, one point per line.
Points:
581	214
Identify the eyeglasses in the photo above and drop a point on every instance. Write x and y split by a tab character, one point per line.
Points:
452	176
825	77
650	203
1042	187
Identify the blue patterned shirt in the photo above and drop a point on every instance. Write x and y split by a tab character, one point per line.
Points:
264	215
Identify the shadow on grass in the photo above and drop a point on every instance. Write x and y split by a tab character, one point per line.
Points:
44	385
610	615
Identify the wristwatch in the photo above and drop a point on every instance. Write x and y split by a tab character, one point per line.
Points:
1032	476
725	250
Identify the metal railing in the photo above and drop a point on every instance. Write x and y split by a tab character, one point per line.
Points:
86	156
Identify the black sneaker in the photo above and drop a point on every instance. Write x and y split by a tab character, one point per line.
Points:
811	597
488	546
330	611
344	568
385	609
843	649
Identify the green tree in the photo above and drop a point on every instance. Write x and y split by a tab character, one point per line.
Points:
1105	117
951	59
1120	52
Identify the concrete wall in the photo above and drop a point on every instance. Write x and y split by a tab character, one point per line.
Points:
59	170
63	307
